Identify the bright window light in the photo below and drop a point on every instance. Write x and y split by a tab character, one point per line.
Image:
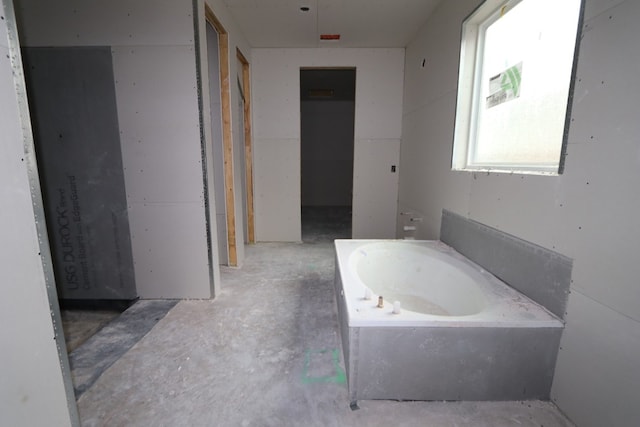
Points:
516	66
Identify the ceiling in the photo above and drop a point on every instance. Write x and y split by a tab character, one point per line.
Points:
361	23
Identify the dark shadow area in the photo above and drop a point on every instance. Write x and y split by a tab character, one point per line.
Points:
325	223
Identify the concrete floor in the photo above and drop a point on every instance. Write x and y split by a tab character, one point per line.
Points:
80	325
266	352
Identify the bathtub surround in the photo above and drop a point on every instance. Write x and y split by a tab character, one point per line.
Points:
539	273
472	338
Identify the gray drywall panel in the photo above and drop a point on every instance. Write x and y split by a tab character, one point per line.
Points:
277	212
158	116
541	274
106	22
598	334
36	385
431	65
424	160
174	263
594	8
375	188
73	106
159	123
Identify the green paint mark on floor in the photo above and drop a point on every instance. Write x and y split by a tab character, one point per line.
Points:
323	366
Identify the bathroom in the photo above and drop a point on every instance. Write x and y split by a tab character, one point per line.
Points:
405	105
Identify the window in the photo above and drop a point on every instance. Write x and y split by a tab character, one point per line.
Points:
516	66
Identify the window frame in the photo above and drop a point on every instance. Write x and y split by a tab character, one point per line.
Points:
469	93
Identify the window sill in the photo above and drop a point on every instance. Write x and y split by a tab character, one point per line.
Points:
509	171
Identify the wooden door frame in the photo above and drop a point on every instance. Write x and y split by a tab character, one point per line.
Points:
248	145
227	139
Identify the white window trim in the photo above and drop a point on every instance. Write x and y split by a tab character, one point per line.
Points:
469	75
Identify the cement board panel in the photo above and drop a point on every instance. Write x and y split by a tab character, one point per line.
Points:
537	272
73	108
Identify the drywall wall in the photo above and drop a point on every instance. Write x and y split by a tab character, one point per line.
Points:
33	390
588	214
154	61
276	98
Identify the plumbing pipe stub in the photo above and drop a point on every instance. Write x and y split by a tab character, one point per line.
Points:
397	307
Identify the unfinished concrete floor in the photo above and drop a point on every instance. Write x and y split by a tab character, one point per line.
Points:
80	325
266	352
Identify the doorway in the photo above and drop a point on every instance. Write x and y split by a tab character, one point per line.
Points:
230	232
327	117
246	145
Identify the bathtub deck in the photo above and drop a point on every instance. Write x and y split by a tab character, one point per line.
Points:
253	357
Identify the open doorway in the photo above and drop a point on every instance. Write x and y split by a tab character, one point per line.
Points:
327	116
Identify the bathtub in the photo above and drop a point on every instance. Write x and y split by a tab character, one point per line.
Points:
447	329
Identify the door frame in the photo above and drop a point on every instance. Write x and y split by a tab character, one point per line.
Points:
248	145
355	70
227	138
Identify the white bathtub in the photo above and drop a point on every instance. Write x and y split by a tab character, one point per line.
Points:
434	285
460	333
